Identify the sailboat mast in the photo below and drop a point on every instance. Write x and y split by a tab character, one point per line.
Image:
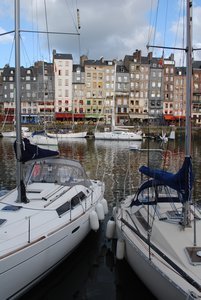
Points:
186	205
17	99
113	98
188	77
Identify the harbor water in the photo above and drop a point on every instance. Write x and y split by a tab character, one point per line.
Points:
92	271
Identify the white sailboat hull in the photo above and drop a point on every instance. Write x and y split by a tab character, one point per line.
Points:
118	136
63	136
31	264
37	235
43	140
12	134
156	273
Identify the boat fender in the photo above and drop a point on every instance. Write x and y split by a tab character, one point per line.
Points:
120	251
110	228
100	211
114	211
94	222
105	206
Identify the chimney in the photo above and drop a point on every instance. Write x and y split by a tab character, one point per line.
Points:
137	55
150	55
171	57
83	58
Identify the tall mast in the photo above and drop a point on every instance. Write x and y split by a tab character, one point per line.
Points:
113	98
18	100
186	206
188	77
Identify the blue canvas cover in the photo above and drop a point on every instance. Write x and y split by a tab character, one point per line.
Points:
30	151
182	181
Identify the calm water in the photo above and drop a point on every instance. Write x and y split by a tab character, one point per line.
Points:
92	272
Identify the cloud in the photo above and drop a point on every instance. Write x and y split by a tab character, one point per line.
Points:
5	38
111	28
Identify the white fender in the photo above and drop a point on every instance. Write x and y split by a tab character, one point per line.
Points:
120	251
110	229
105	206
100	211
114	211
93	219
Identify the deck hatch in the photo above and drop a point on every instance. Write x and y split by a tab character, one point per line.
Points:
11	207
70	204
193	255
2	221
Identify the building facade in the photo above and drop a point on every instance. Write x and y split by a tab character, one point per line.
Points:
137	88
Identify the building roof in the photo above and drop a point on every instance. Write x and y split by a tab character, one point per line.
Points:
62	56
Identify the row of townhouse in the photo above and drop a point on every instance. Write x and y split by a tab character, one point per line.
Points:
137	88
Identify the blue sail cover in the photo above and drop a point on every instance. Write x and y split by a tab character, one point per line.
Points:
30	151
182	181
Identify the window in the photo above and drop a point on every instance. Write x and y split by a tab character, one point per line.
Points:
66	93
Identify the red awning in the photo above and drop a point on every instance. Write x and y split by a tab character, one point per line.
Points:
79	116
172	118
169	117
180	117
63	115
68	115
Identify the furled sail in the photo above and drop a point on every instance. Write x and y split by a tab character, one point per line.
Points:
30	151
182	181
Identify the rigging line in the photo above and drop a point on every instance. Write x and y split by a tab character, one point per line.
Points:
78	28
156	20
167	47
38	48
24	50
182	59
48	40
150	19
177	30
11	51
49	32
166	13
73	18
8	32
32	22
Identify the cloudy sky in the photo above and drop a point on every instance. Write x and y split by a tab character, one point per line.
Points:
109	28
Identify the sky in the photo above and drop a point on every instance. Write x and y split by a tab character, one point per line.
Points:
108	28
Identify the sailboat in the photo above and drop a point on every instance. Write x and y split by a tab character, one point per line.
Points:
41	139
158	228
52	209
61	136
117	133
12	133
